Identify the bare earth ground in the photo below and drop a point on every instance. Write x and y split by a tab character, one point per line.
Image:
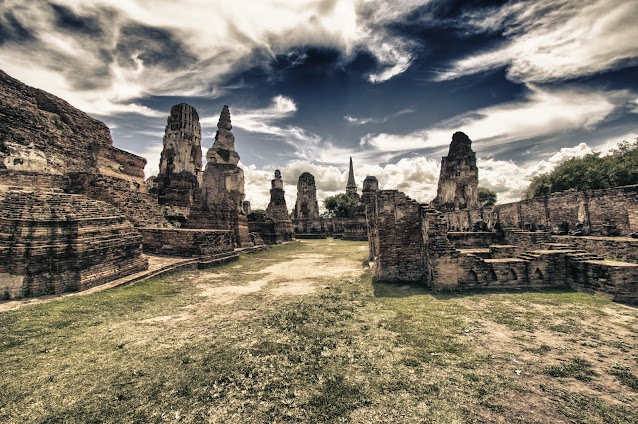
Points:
302	333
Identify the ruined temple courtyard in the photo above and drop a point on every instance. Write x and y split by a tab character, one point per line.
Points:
303	333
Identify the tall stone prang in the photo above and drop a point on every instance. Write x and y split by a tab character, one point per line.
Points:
306	206
277	208
277	213
181	160
220	198
458	182
351	186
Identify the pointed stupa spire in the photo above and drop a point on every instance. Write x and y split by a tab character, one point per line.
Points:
223	149
224	119
351	187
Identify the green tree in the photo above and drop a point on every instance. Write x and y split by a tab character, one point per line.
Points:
486	196
590	172
340	205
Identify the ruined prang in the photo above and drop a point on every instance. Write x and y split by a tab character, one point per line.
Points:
277	226
219	201
306	206
458	181
277	208
351	186
181	160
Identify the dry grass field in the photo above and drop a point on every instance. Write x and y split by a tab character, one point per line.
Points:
303	333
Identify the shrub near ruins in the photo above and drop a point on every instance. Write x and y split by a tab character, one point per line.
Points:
590	172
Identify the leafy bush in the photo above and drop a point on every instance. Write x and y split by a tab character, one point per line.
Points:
590	172
486	196
340	205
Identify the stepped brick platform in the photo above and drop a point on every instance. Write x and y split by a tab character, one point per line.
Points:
186	242
55	242
508	246
158	266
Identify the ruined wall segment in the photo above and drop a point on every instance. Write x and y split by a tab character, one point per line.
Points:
398	241
219	200
458	181
356	228
53	242
511	257
47	143
605	212
181	160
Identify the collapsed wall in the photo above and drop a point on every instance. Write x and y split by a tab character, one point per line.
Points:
606	212
52	242
410	242
47	143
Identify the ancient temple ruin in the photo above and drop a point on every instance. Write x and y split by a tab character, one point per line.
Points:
76	211
305	216
458	182
220	198
275	225
47	143
180	165
53	242
351	186
356	227
526	243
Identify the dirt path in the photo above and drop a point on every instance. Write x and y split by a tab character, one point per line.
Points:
301	274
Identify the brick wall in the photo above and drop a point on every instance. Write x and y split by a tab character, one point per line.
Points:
599	212
624	248
54	242
186	242
399	248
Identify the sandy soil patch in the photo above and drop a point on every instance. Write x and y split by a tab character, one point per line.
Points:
297	276
227	294
166	319
295	288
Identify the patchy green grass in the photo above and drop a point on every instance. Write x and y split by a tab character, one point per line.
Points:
303	333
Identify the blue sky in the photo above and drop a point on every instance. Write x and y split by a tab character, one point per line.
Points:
312	82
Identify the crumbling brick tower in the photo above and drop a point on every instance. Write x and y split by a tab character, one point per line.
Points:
181	160
219	201
306	206
277	211
458	181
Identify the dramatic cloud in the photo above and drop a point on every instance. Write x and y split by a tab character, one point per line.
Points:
363	121
417	177
315	82
552	40
509	180
542	113
108	52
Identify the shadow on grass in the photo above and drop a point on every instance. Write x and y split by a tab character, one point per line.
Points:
401	289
